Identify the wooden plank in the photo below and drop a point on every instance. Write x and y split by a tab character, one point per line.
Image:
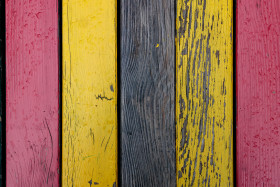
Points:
32	109
258	93
147	93
204	93
2	91
89	96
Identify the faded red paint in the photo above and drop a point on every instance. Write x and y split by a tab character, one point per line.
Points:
258	92
32	93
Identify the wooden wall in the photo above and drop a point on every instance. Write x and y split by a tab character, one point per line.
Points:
139	93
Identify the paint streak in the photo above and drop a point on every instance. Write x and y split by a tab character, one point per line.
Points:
2	89
204	98
32	93
258	93
89	121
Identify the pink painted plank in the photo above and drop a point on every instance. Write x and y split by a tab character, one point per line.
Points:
258	93
32	93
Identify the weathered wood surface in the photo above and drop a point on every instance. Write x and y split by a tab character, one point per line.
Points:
258	93
89	96
204	97
32	109
147	93
2	89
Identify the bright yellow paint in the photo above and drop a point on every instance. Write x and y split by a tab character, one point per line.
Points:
89	95
204	98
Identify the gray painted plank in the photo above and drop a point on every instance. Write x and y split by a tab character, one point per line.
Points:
147	121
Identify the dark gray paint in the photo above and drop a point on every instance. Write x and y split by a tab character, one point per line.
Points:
147	84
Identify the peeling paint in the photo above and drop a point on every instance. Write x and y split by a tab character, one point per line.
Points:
204	111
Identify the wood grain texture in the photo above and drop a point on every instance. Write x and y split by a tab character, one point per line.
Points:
89	104
32	109
2	90
258	92
204	93
147	93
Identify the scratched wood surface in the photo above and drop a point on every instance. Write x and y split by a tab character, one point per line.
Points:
258	92
2	90
32	109
147	93
204	97
89	95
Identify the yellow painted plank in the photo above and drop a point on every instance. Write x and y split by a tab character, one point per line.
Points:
89	93
204	96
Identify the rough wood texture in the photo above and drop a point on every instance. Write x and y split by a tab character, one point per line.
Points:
147	93
32	93
89	96
258	92
204	97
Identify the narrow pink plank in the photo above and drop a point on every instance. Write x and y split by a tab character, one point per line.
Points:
32	93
